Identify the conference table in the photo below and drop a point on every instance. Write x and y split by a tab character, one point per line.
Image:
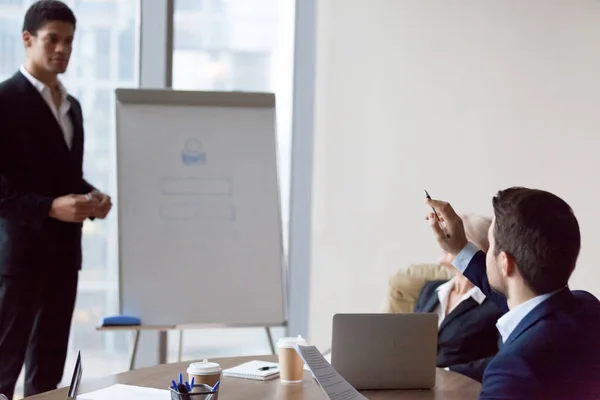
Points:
449	385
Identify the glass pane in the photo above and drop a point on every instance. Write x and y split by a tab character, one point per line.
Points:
240	45
104	57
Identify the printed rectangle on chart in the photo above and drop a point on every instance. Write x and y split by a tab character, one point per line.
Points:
196	186
186	211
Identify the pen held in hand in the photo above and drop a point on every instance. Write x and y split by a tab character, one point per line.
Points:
437	217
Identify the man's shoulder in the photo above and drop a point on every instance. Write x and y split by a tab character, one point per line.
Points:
567	334
74	101
8	86
559	352
587	298
10	93
554	357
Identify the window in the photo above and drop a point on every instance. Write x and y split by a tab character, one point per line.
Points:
104	58
11	48
219	45
102	64
127	45
190	5
252	70
238	45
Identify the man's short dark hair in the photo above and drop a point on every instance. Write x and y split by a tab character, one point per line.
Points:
43	11
540	232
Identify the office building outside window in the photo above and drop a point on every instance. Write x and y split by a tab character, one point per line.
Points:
246	45
242	45
105	57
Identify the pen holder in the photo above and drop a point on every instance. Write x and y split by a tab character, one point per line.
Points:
199	392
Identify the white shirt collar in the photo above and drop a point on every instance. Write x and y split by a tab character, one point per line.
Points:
40	86
475	293
509	321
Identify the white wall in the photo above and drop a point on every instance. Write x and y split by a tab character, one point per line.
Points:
459	97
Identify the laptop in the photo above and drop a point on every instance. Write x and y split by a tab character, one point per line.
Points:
385	351
75	379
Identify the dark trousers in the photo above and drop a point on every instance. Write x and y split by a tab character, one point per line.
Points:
35	322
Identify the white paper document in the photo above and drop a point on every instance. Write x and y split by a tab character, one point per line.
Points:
336	387
327	358
126	392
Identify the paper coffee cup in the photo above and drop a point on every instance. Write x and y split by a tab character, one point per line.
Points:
291	365
205	372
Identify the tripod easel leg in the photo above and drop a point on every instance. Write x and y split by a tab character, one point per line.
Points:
271	345
136	341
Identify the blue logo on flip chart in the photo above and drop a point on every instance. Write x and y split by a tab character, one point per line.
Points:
192	153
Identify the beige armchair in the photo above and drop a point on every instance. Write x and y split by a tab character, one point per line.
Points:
406	284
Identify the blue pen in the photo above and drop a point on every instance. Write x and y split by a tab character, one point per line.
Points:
187	386
193	377
214	389
180	378
174	384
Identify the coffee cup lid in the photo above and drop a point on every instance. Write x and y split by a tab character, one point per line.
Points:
289	342
204	368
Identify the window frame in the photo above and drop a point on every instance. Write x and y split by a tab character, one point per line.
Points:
155	70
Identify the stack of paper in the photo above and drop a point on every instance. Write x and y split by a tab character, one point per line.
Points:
327	358
336	387
126	392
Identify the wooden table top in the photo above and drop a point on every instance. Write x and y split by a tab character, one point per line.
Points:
449	385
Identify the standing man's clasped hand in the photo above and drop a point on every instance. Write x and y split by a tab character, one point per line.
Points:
79	207
456	239
72	208
103	204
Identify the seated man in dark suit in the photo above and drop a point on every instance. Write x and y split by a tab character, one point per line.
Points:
467	337
550	334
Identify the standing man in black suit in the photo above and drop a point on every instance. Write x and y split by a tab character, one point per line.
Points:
44	200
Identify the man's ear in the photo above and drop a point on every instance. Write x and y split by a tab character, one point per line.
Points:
27	38
507	264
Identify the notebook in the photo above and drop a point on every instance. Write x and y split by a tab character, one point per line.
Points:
252	370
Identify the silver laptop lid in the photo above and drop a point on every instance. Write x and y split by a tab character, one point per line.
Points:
385	351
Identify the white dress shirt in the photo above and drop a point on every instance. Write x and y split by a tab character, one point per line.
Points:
509	321
443	292
62	113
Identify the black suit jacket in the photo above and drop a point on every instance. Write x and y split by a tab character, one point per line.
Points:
36	166
468	337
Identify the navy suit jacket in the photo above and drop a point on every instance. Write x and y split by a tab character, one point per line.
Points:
553	353
467	338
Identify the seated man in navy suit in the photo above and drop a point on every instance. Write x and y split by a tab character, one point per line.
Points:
550	334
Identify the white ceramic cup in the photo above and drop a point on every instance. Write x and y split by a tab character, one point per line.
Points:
205	372
291	365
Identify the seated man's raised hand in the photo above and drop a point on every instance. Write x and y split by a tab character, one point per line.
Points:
457	239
